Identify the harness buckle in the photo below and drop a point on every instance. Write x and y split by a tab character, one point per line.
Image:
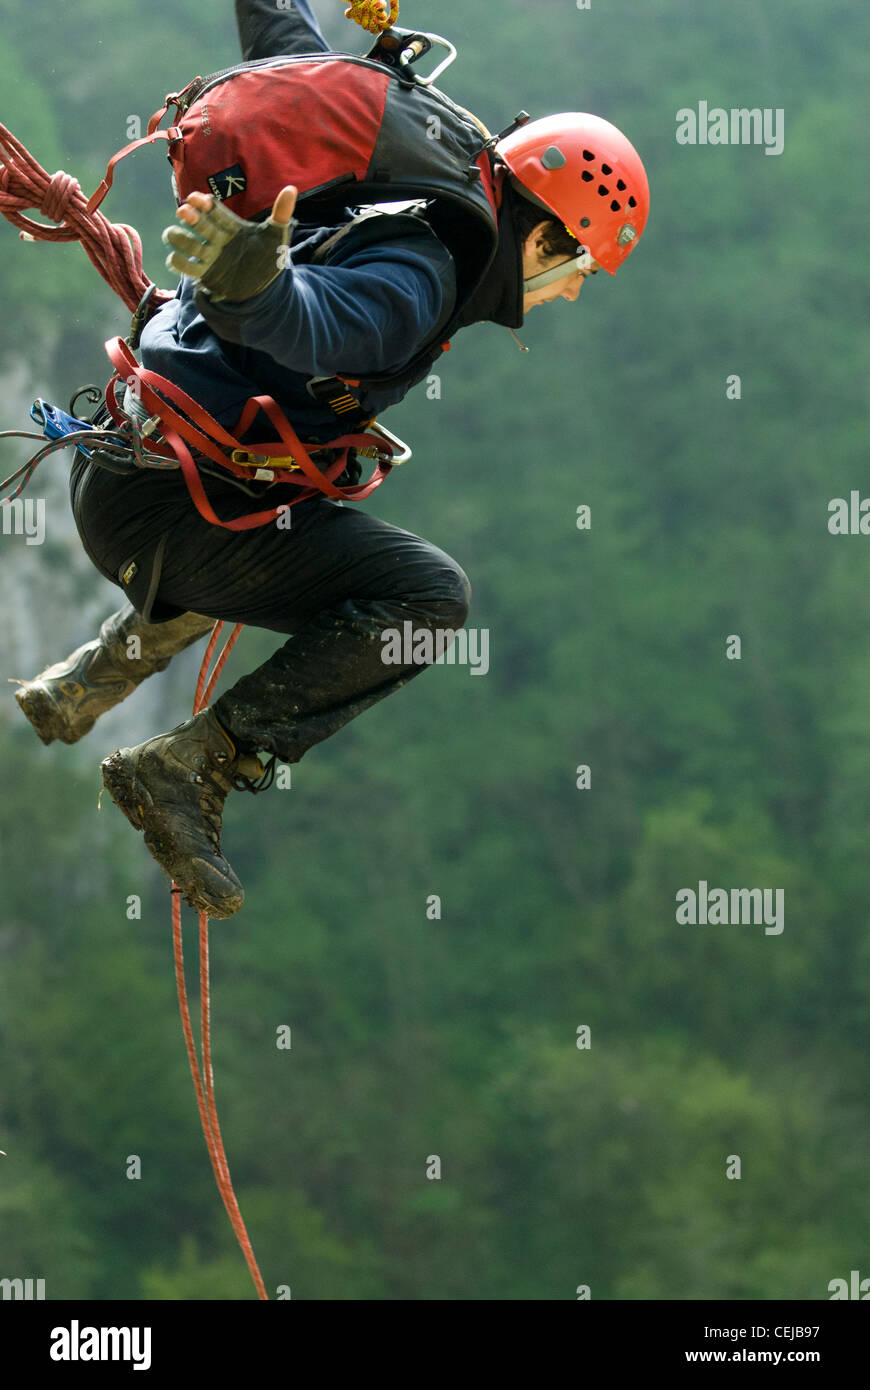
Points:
335	393
248	460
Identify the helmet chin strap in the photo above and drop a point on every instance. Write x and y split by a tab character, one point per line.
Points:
559	272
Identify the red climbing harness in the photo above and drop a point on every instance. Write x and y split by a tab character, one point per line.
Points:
185	424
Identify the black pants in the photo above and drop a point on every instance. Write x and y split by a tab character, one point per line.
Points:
335	580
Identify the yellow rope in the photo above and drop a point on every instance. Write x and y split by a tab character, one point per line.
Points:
372	14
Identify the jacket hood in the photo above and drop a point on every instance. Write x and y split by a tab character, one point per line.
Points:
499	297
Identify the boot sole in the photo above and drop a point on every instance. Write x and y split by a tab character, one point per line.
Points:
38	706
133	798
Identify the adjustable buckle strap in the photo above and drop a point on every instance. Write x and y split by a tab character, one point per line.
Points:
263	465
334	392
266	464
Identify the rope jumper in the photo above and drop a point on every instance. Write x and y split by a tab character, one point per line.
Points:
115	251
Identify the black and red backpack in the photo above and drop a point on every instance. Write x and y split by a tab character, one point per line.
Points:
348	132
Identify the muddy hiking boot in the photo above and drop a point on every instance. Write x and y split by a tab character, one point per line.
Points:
174	787
65	700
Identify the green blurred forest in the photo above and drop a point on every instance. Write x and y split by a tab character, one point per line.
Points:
561	1167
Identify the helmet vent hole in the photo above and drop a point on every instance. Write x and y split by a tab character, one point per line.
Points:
632	202
588	155
586	176
614	206
602	191
606	169
620	185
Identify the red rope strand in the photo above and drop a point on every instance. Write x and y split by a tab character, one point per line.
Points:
205	697
203	1080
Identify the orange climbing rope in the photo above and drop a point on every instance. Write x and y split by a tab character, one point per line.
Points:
203	1078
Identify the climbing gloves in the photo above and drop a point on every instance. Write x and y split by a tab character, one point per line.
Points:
231	258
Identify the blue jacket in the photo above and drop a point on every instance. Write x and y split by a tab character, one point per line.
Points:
366	312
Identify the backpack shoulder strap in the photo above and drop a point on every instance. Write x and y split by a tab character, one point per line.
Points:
373	228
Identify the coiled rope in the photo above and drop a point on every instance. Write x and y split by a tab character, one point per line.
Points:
113	248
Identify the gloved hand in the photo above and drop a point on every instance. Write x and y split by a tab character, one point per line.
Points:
373	15
230	257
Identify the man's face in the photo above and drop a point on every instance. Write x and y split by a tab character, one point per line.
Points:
535	262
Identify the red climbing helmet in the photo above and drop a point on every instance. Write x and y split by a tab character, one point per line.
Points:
584	171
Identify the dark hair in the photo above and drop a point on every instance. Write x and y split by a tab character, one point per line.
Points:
558	241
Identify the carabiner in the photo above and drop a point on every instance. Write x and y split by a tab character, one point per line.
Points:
405	451
400	48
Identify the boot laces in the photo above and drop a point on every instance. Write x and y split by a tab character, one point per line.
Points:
211	809
241	783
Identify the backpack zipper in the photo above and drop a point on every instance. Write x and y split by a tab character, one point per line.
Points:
185	99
